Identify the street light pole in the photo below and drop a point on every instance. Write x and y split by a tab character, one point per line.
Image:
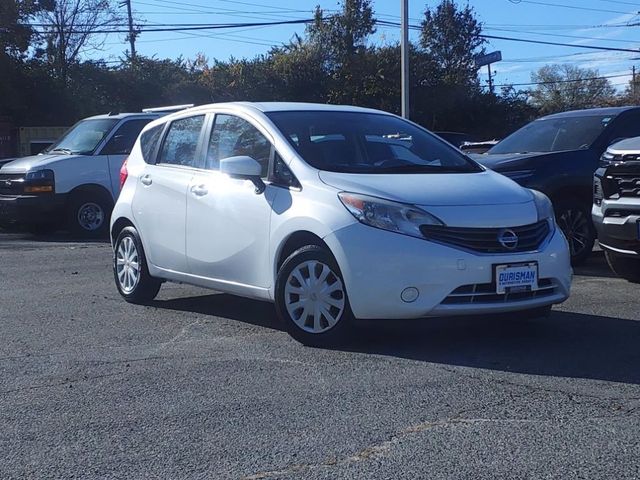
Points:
404	53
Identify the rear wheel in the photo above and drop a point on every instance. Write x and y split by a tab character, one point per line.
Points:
88	214
624	266
311	298
575	222
130	269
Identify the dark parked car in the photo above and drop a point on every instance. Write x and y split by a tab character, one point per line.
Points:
616	207
457	139
558	156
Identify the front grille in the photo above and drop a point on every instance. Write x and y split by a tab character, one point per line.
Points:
11	183
628	184
485	240
480	293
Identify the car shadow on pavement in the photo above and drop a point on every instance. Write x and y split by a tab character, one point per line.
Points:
245	310
565	344
9	234
595	266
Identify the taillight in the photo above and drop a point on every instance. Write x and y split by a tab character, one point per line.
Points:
123	173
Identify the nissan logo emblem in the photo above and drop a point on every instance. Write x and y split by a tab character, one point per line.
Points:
508	239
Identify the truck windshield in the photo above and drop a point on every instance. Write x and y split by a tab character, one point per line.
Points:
554	135
354	142
83	137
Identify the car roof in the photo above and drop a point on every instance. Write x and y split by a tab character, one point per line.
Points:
120	116
607	111
267	107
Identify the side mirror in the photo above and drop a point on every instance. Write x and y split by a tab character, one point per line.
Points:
243	168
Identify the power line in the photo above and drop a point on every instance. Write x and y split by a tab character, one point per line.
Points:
529	40
201	27
552	82
560	5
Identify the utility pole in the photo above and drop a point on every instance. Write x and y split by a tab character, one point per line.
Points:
132	33
490	79
633	82
404	53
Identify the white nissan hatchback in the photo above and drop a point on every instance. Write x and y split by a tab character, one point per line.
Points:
333	213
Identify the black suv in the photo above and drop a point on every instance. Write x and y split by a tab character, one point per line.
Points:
558	156
616	207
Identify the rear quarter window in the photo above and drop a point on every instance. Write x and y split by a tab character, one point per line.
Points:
149	143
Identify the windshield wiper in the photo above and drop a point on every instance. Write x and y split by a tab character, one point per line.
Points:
66	151
424	169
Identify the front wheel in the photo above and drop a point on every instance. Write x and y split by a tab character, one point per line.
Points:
130	269
311	298
624	266
88	215
575	222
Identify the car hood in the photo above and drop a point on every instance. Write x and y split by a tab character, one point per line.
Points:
24	164
513	161
483	188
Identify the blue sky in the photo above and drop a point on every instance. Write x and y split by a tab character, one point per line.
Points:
576	22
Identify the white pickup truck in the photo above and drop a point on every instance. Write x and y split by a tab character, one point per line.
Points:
75	182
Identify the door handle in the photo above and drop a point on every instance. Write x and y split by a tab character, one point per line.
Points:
199	190
146	180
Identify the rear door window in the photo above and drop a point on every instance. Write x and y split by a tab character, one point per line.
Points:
180	145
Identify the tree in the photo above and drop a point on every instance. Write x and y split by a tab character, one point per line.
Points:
567	87
74	27
342	39
451	37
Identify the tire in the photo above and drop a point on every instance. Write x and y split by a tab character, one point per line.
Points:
88	214
574	220
135	285
624	266
332	322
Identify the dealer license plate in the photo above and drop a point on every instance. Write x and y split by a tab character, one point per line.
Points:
522	277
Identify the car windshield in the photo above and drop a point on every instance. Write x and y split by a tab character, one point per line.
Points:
554	135
83	137
368	143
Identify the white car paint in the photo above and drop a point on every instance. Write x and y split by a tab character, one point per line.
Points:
73	171
230	238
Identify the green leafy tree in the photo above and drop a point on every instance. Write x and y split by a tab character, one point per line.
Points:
567	87
342	38
450	35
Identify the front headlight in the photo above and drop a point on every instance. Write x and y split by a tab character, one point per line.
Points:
387	215
544	207
39	181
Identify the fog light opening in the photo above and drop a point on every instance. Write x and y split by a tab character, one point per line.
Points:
409	294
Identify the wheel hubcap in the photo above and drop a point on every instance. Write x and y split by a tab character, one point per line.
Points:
90	216
127	265
314	297
575	226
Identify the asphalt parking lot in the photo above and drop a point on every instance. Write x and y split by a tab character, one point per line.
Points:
204	385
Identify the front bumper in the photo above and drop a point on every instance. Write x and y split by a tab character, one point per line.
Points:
620	232
30	209
378	265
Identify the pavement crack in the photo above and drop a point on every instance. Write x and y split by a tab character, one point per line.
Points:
66	381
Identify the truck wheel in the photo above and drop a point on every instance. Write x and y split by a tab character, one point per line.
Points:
88	214
575	222
624	266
